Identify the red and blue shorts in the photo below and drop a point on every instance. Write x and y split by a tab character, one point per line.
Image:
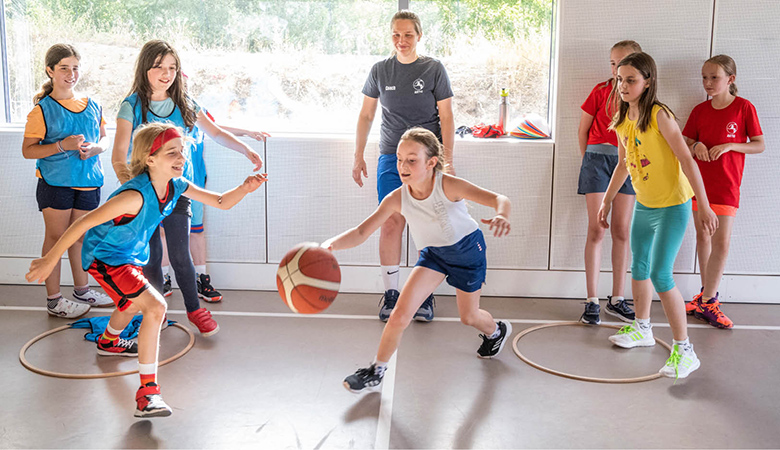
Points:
121	283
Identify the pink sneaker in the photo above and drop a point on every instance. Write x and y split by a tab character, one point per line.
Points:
201	318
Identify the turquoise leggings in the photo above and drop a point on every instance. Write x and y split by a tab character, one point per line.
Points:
656	237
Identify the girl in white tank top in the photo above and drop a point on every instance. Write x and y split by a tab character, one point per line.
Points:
452	247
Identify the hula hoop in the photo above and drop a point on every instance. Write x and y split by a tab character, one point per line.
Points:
579	377
89	376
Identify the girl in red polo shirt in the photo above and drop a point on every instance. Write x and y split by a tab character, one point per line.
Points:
719	132
598	146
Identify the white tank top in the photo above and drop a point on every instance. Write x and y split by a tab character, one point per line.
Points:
436	221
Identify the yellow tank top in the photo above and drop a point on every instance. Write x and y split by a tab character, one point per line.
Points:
655	171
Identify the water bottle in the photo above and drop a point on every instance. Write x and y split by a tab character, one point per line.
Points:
503	108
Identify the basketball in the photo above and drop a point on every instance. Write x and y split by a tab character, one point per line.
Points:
308	278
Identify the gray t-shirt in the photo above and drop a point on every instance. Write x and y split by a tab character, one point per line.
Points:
408	94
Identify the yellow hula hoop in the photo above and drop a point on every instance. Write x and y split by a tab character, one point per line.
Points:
579	377
89	376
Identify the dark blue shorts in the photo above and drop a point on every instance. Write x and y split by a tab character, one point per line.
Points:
387	178
65	198
464	262
596	171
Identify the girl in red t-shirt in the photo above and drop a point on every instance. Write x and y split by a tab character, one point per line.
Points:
719	132
598	146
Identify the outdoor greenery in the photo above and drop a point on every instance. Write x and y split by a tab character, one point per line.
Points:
282	62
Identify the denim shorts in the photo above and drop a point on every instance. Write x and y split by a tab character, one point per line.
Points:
64	198
598	164
464	262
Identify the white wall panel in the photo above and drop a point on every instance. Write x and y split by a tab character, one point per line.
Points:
311	195
588	29
522	172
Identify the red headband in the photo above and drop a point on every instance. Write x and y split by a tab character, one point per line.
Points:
163	138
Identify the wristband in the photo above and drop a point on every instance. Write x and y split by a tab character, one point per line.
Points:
59	147
695	144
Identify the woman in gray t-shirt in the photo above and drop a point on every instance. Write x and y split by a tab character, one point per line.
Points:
414	91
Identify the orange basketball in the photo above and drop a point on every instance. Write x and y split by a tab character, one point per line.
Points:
308	278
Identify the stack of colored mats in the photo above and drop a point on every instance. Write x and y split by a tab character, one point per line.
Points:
532	126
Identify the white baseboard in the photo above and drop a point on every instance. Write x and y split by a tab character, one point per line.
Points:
500	283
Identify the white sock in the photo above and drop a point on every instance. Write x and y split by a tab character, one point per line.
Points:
593	300
615	299
165	270
390	277
111	330
199	269
685	345
495	333
379	367
644	324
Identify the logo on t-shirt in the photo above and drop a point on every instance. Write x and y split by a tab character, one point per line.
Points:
389	88
731	129
418	86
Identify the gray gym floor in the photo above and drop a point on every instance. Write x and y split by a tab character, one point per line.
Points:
270	379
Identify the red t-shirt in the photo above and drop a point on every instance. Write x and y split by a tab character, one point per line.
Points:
734	123
596	106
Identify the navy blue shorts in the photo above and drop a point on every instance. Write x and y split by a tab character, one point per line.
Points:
464	262
596	171
64	198
387	178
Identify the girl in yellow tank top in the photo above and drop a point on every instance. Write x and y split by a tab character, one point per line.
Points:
665	177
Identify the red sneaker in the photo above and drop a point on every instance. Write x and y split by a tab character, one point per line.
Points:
710	312
691	306
202	320
117	347
149	402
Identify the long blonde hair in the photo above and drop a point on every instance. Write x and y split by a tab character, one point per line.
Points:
143	138
54	55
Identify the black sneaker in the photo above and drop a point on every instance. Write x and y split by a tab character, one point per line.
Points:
622	310
364	378
492	347
591	314
167	289
425	313
205	291
118	347
388	303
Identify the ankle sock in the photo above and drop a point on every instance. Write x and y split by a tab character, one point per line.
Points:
148	373
53	300
380	367
644	324
390	277
593	300
80	290
200	269
685	345
166	270
496	333
615	299
110	335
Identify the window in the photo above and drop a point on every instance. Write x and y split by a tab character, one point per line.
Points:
292	66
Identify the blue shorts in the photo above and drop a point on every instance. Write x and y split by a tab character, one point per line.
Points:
387	178
597	166
64	198
464	262
196	225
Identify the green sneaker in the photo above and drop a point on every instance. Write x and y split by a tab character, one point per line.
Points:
680	363
631	336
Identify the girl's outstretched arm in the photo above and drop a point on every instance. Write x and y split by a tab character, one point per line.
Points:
127	202
256	135
671	132
227	199
227	139
459	189
356	236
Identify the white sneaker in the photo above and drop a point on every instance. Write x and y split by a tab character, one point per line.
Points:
680	363
93	298
67	309
631	336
